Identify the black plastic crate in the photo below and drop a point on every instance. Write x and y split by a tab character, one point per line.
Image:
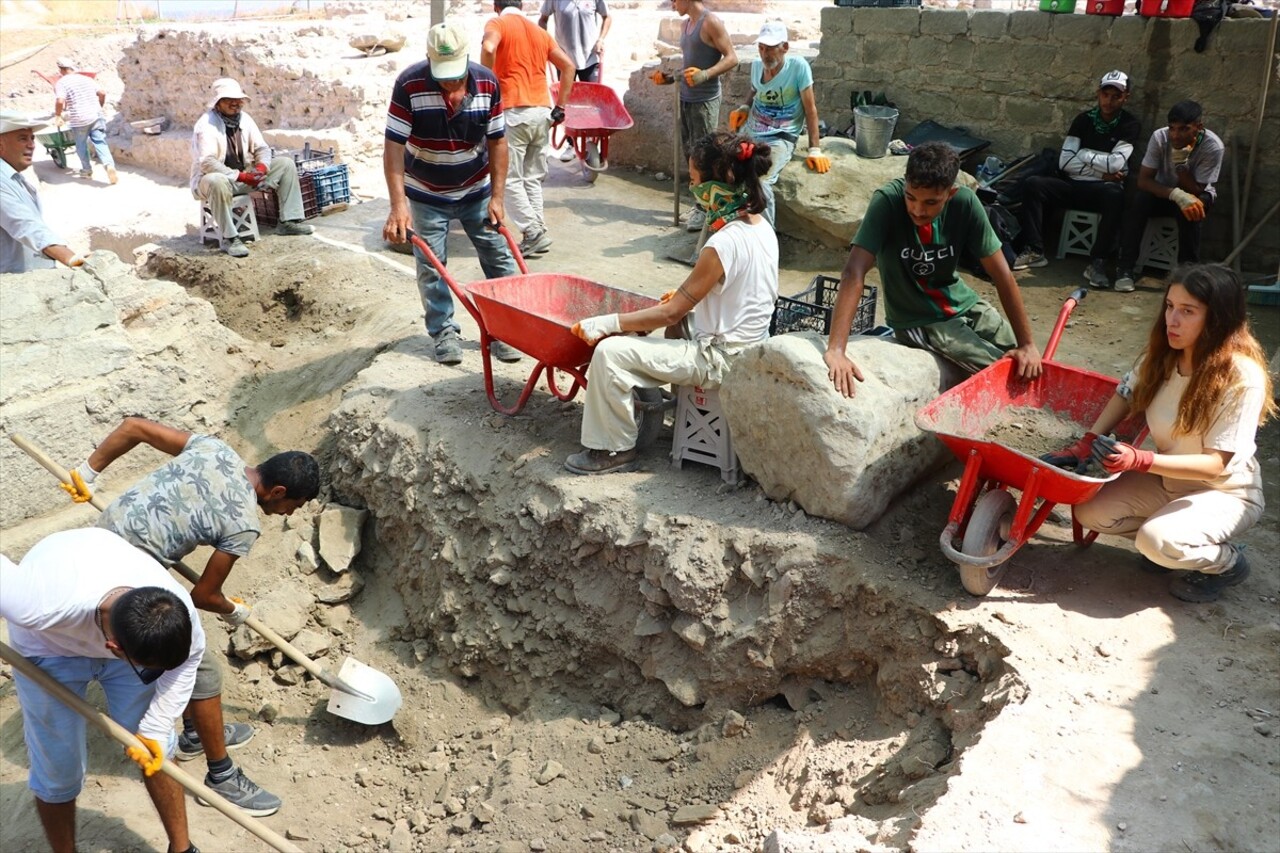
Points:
811	310
266	204
862	4
307	158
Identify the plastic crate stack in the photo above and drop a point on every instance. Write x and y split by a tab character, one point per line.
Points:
333	185
266	205
810	311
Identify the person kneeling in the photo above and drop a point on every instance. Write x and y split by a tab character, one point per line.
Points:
736	280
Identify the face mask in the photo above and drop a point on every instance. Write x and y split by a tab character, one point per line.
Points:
722	202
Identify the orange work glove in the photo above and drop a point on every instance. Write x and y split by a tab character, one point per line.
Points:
738	118
148	759
1191	206
661	78
666	297
695	76
817	161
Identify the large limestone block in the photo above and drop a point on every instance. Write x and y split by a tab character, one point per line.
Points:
829	208
340	535
843	459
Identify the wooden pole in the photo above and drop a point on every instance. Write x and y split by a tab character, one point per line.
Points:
1263	221
126	738
1235	197
1270	59
675	159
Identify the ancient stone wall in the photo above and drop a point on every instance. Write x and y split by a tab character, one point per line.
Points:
1018	78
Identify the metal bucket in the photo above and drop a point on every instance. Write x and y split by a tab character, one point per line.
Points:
872	129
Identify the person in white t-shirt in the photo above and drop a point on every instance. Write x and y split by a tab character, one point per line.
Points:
734	285
85	605
1203	387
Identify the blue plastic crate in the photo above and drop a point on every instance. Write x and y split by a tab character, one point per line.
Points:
333	185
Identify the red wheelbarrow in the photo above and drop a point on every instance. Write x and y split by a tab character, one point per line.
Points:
991	523
593	113
535	313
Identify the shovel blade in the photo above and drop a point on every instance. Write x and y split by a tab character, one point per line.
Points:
379	709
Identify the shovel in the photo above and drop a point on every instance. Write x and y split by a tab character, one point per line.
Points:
55	689
360	692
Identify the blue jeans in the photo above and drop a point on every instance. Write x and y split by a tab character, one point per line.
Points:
96	135
780	151
431	223
55	734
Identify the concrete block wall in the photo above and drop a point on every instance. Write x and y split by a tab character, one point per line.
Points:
1018	78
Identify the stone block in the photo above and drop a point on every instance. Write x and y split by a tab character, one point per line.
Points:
989	24
926	52
878	22
842	459
886	52
1080	29
284	610
1032	24
1130	32
836	21
1069	58
829	208
1029	112
339	535
944	21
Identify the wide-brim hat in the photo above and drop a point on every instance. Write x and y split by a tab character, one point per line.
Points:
11	120
447	49
225	87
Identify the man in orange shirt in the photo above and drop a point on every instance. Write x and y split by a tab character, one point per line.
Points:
518	52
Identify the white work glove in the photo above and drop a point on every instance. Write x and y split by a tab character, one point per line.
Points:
77	260
593	329
86	472
1180	156
237	616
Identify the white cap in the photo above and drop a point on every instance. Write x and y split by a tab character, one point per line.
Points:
67	63
1116	80
772	34
447	49
225	87
11	120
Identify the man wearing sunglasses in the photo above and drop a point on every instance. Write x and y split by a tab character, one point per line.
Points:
85	605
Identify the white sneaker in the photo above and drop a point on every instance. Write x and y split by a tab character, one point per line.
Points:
1124	282
568	154
696	220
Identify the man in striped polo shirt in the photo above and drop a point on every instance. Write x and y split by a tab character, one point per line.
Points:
445	158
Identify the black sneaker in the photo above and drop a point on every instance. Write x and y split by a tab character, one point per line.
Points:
1199	587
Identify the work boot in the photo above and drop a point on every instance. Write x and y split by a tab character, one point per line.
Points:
1124	281
236	735
294	228
504	352
112	177
536	243
697	219
602	461
1199	587
448	347
1029	259
237	249
1096	274
243	793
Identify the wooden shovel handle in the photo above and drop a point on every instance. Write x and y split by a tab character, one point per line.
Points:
126	738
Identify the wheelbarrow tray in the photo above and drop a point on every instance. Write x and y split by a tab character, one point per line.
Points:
535	313
55	139
971	408
594	109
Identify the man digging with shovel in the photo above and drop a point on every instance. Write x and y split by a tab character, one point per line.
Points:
206	495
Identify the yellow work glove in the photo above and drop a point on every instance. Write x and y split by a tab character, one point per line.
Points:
661	78
148	759
81	476
1191	206
817	161
239	615
738	118
695	76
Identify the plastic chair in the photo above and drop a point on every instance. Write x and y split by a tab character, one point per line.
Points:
1159	244
702	432
1079	231
242	216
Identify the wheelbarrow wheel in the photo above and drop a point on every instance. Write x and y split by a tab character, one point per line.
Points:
988	528
650	413
59	156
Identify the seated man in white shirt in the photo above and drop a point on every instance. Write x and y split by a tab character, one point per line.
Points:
232	158
85	605
26	243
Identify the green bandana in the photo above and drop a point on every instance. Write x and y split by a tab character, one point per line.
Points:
722	202
1103	127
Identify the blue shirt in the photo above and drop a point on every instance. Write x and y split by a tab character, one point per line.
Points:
776	109
23	234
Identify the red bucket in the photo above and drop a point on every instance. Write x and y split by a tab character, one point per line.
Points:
1165	8
1105	7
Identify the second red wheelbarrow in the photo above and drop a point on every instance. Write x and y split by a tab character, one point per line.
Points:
593	114
535	313
990	522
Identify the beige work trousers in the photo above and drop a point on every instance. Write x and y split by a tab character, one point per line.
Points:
623	362
282	176
1181	530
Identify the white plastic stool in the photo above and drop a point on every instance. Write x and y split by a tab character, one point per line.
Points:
1159	244
1079	231
242	216
702	432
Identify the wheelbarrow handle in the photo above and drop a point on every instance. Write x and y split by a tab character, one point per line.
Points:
1076	297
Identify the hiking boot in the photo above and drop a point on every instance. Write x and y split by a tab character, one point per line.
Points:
697	219
535	244
236	735
112	177
1029	259
1124	281
1199	587
1151	567
294	228
504	352
448	347
243	793
1096	274
237	249
602	461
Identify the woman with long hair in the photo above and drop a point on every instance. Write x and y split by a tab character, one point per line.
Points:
1203	387
733	284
